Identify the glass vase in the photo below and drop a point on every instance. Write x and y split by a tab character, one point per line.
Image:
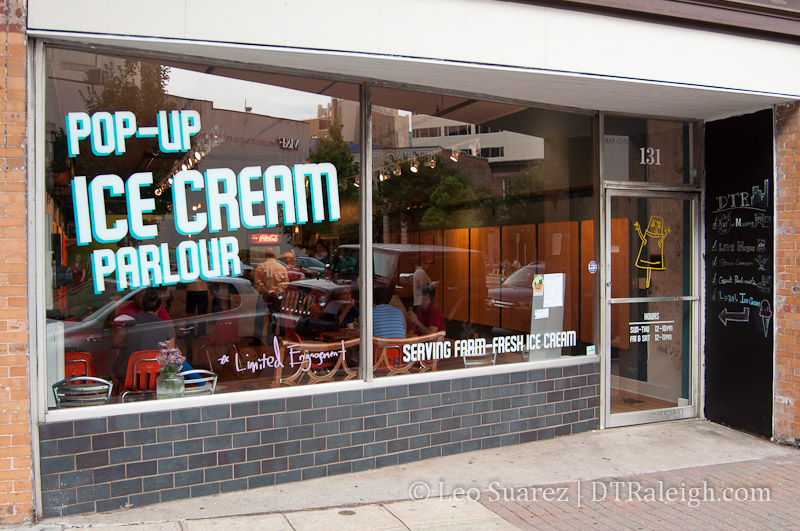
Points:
169	385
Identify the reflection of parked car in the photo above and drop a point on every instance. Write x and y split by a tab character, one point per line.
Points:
515	296
393	266
302	307
308	264
293	272
102	332
516	290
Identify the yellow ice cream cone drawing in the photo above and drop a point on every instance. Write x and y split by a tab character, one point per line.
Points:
651	257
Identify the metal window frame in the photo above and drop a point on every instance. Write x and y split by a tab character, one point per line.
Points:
36	244
681	191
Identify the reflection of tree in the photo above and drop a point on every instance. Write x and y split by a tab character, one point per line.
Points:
131	86
523	199
530	180
334	149
444	192
449	193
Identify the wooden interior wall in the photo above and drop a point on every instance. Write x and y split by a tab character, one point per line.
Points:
486	241
456	291
559	250
563	247
518	243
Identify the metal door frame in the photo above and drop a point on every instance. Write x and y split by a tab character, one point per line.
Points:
647	191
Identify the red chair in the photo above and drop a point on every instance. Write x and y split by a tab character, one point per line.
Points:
225	334
78	364
143	369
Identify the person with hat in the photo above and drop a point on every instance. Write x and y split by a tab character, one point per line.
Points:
429	318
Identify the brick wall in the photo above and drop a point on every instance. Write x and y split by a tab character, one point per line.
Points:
16	492
787	275
132	460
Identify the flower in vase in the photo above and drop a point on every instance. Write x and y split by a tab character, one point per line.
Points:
170	359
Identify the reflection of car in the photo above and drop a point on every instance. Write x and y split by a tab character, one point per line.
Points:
393	266
99	332
516	291
293	272
308	264
302	307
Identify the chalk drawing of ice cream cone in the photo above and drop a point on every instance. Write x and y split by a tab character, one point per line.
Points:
766	313
650	256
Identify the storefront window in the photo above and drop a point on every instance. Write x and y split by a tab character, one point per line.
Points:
480	250
203	211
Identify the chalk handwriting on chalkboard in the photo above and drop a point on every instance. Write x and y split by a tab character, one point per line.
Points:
755	199
741	277
741	317
723	223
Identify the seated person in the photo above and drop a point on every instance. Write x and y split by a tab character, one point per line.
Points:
343	310
149	330
387	321
134	306
430	318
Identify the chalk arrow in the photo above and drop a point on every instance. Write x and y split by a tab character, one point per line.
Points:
741	317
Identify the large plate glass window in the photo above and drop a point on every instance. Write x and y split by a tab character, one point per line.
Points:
483	229
200	207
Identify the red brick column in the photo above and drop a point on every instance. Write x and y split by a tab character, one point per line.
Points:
16	477
787	275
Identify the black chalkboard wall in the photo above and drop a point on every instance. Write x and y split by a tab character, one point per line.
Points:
739	262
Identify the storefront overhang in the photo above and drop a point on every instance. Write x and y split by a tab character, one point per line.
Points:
458	82
494	51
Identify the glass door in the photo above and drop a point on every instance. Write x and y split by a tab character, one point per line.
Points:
651	308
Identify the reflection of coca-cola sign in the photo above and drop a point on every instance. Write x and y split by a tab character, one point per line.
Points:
265	238
288	143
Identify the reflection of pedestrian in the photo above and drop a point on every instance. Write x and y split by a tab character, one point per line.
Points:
321	252
78	271
270	275
420	279
270	279
216	305
197	301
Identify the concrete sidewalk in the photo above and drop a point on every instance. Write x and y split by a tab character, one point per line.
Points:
485	489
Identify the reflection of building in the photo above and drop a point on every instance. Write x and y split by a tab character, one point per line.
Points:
484	141
508	153
387	124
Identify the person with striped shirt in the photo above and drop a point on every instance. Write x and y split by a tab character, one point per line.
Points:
388	322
